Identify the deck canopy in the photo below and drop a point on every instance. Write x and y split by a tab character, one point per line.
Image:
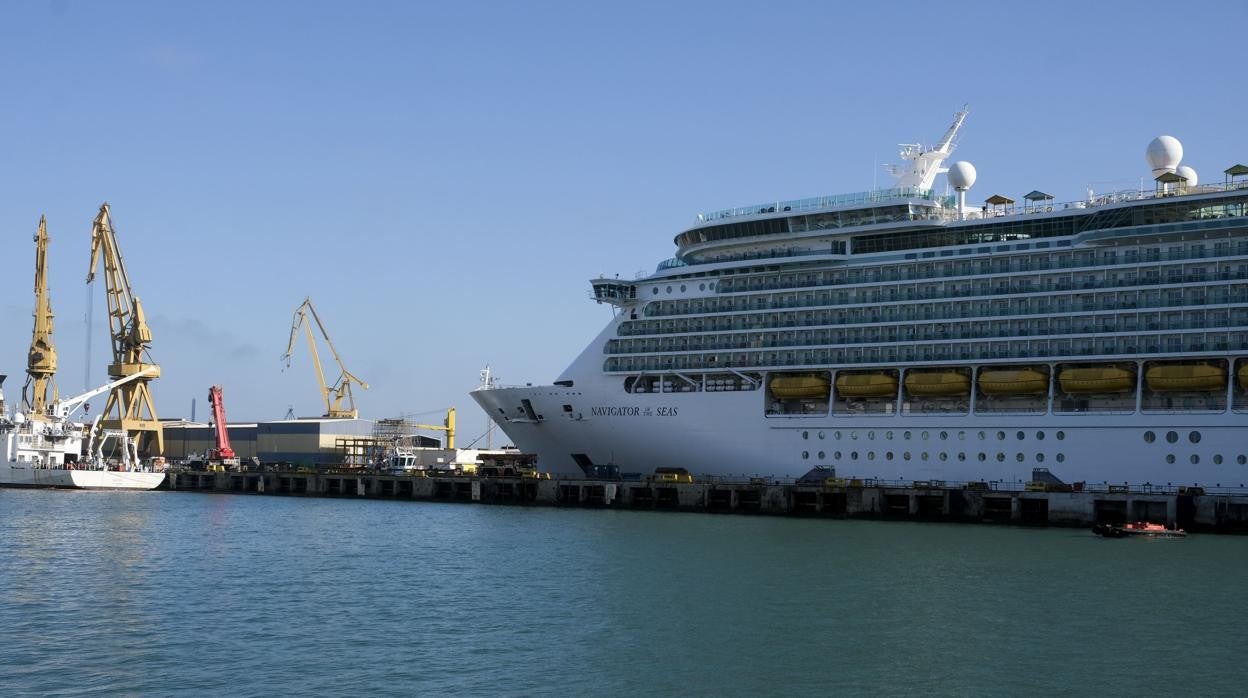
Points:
1166	179
1234	171
1001	205
1035	200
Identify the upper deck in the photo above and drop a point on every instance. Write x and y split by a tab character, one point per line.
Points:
868	220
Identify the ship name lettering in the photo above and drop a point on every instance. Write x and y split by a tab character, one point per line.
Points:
626	411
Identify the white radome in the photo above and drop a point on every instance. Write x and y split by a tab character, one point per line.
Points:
1164	154
1187	173
962	175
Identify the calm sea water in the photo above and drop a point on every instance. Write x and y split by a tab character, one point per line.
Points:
160	592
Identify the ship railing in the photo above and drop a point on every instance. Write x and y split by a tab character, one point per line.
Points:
949	212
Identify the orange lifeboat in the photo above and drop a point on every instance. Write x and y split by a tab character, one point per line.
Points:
1096	379
805	386
1174	378
1013	381
866	385
937	383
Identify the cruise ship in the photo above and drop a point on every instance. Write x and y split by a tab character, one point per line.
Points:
903	335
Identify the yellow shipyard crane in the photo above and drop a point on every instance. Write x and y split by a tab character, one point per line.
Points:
40	392
334	395
130	402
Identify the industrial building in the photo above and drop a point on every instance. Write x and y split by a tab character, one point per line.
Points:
306	442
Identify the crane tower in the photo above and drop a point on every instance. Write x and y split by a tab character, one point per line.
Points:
129	406
39	393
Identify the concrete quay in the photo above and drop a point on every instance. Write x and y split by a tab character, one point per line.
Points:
1191	509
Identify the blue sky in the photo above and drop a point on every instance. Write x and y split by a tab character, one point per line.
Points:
443	178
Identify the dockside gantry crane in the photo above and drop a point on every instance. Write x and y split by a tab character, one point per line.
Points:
131	338
340	390
39	393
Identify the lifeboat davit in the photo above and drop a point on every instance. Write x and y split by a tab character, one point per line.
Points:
799	386
937	383
1185	378
1096	379
866	385
1013	381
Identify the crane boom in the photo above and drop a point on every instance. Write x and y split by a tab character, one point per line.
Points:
334	395
222	450
447	426
39	393
131	401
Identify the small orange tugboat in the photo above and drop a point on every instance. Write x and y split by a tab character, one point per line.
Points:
1138	529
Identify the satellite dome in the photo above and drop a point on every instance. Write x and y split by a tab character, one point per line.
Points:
1187	173
1164	154
961	175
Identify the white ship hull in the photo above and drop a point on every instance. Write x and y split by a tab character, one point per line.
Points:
12	475
728	435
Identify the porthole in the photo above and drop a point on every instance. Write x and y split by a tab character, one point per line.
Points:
805	454
962	455
1242	459
1020	436
1039	457
1195	459
1217	459
805	435
1061	458
853	455
655	290
888	455
1170	458
1018	457
944	435
836	455
983	457
871	436
961	436
701	287
1000	457
925	435
1149	437
836	435
711	285
853	435
1000	436
682	288
1172	436
982	436
1061	435
1194	437
888	435
944	456
905	456
822	455
669	289
1039	436
822	435
925	455
905	435
870	455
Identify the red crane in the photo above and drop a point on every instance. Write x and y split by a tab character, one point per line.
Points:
222	452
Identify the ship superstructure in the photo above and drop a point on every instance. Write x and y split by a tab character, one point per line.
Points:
899	335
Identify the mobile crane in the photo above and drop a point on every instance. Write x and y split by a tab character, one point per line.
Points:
222	453
335	394
130	401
